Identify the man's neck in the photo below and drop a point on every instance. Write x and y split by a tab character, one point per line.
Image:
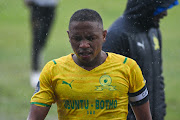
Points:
100	59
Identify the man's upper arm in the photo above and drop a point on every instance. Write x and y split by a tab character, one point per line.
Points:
43	96
37	112
138	93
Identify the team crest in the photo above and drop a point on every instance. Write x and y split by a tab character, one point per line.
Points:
105	81
156	42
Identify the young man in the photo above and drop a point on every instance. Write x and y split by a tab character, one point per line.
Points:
42	17
89	83
136	35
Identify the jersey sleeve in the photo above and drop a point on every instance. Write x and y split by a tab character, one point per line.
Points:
44	93
138	93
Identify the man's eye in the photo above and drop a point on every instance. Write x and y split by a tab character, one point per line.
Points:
77	38
90	38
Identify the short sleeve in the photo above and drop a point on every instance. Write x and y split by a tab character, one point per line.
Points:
138	93
44	93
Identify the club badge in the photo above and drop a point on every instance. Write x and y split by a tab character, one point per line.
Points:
156	43
105	81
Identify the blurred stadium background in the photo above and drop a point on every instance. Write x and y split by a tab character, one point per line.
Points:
15	48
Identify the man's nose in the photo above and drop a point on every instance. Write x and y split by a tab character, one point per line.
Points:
84	44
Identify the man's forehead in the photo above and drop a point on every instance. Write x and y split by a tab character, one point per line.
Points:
84	33
85	25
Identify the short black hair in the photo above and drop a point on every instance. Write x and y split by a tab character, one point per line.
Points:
86	15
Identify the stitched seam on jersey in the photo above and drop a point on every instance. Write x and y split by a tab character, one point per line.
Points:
125	60
54	61
41	104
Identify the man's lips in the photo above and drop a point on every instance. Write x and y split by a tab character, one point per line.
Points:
85	53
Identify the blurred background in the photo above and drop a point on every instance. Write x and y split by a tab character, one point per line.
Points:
15	52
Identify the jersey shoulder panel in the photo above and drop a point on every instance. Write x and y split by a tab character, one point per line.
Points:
63	60
132	70
117	57
44	95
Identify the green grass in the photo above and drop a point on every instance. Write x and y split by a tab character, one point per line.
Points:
15	47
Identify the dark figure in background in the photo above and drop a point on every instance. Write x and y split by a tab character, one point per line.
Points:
42	16
136	35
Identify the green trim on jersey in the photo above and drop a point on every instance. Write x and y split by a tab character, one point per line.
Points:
54	61
125	60
41	104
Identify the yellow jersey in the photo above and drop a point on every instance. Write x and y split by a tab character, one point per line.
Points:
101	93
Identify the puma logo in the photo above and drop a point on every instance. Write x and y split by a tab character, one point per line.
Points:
64	82
141	44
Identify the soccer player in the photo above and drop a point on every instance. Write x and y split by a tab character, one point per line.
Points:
90	83
42	17
136	35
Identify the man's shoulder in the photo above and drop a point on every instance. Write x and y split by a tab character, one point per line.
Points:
116	57
62	59
122	59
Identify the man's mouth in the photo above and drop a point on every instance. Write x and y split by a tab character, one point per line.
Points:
85	54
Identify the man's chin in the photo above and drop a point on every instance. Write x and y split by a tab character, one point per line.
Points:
85	57
83	60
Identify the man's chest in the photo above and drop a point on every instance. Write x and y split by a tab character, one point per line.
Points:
94	85
93	92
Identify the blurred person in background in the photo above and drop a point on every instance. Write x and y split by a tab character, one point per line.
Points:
42	17
136	35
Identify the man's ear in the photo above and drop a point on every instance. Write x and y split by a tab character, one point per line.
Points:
104	35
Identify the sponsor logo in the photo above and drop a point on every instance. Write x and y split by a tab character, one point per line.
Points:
141	44
90	107
64	82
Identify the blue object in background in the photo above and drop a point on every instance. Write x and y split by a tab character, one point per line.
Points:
161	9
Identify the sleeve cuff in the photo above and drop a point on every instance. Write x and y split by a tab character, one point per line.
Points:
40	104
